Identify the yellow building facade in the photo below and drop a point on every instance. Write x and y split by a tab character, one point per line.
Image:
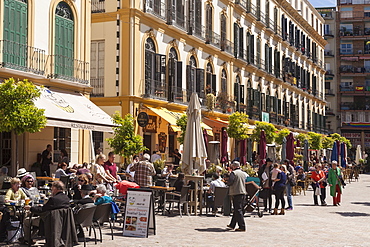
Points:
264	58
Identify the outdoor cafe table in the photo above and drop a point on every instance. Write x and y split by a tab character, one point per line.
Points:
47	179
162	193
194	203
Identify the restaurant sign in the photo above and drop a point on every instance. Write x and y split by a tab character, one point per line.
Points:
143	119
265	117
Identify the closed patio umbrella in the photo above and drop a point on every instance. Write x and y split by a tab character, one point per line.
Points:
334	153
195	152
343	155
205	136
305	155
271	152
290	147
358	154
243	151
283	150
224	139
262	148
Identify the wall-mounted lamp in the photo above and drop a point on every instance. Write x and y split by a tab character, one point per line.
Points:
159	122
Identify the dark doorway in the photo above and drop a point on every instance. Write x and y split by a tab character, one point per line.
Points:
148	143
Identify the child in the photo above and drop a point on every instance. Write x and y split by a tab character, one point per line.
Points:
274	173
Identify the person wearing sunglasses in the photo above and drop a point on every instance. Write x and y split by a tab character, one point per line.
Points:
28	187
81	180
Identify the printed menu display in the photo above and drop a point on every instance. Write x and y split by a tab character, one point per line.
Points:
137	213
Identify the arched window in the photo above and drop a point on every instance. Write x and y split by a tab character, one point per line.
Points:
14	44
174	77
210	80
64	41
223	31
223	81
209	24
149	66
257	97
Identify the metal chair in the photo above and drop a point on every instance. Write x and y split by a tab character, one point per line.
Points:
218	199
103	214
181	199
84	218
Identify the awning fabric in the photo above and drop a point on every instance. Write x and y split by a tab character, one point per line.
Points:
72	110
171	117
216	123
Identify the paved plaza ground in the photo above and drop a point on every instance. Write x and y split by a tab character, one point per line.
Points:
306	225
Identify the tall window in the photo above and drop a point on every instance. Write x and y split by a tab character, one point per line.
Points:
209	23
223	31
258	54
174	77
97	68
238	93
238	41
267	15
268	58
14	48
149	66
275	20
258	11
210	80
268	101
62	140
64	41
224	81
194	79
195	17
250	48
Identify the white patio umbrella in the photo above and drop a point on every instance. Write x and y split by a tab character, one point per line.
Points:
195	151
358	154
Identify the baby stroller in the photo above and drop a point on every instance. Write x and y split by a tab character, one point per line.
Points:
253	202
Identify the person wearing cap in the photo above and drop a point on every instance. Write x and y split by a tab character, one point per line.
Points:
21	172
238	191
335	183
266	182
144	170
28	188
85	194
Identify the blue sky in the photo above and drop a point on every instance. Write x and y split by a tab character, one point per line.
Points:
323	3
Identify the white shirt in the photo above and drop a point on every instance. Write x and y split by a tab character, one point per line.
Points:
130	172
216	183
155	157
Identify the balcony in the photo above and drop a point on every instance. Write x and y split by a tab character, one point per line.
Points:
349	69
362	117
98	87
329	72
329	92
69	69
97	6
329	34
254	113
227	46
179	21
353	15
213	38
157	9
329	53
346	2
22	57
329	111
350	106
155	89
327	15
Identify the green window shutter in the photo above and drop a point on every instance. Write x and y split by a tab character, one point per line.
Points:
15	34
64	47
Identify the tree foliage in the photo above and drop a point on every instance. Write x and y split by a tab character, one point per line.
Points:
18	112
280	136
302	137
182	122
337	137
270	131
327	142
238	126
315	140
125	142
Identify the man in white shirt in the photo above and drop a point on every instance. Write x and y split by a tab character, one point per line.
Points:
130	175
217	182
155	156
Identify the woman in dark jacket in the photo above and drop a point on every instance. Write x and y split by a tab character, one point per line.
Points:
279	189
180	181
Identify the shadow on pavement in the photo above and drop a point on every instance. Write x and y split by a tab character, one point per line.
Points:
305	205
362	203
352	214
212	230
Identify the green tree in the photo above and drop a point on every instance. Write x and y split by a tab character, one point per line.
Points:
337	137
327	142
270	132
315	140
182	122
238	126
280	135
18	112
302	137
125	142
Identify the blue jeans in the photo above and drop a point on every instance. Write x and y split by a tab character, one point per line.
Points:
289	194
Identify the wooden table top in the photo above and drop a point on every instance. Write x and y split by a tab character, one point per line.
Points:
162	188
47	178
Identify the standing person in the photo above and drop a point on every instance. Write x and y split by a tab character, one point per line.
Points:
237	191
46	157
131	175
335	183
63	157
279	188
144	170
291	182
3	176
110	167
266	182
318	181
177	156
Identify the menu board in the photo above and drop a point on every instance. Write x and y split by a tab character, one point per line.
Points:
139	213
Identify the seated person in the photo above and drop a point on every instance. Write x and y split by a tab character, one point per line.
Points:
82	180
4	176
100	196
85	195
28	188
216	182
61	171
14	194
83	169
167	171
180	182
